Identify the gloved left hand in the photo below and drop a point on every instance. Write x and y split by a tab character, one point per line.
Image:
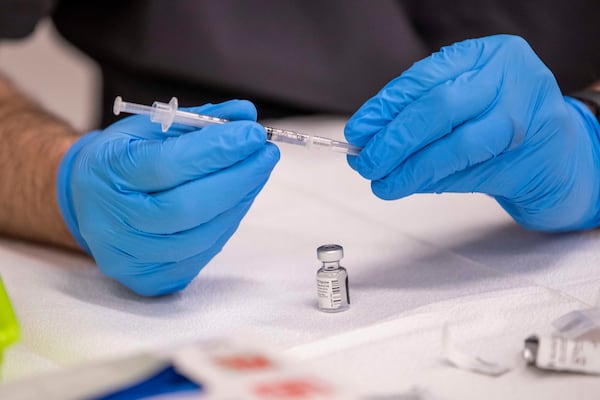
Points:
154	208
484	115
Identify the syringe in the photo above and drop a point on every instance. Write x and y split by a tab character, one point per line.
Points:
168	113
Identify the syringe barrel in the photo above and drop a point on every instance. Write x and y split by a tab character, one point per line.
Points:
169	113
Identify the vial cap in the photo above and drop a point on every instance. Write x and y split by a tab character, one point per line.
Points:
330	252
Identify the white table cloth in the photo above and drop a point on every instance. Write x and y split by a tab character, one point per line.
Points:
414	265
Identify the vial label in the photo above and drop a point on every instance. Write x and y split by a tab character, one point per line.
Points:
332	294
562	354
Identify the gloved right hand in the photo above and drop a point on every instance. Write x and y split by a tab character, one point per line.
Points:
154	209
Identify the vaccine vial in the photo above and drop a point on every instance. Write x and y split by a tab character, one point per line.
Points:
332	279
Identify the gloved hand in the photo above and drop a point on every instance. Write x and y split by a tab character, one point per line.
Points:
154	208
483	115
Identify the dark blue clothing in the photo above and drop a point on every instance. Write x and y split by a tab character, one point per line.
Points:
301	56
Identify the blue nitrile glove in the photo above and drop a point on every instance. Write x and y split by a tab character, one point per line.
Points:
154	208
484	115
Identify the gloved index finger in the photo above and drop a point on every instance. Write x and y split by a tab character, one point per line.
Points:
156	165
447	64
232	110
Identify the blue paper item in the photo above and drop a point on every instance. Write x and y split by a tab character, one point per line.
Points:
165	381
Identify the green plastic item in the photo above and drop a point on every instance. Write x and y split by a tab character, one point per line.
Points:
9	329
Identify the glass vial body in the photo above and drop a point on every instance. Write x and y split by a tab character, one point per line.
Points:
332	280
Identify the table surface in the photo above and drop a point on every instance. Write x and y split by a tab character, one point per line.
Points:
413	264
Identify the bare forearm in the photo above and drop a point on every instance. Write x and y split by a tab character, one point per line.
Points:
32	143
